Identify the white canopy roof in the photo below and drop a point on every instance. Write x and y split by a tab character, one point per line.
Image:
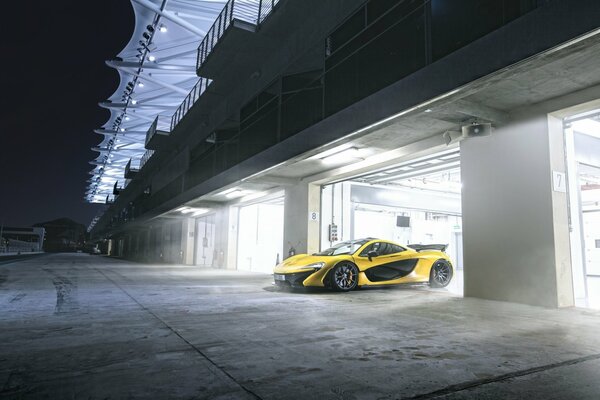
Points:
157	70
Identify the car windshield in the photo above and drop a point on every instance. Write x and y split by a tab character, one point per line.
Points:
342	248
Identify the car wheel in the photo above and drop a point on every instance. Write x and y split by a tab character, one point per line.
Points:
344	277
441	274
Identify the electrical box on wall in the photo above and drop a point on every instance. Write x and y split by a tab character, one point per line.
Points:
333	233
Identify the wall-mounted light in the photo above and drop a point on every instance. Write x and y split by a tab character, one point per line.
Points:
151	58
134	102
122	129
163	29
140	84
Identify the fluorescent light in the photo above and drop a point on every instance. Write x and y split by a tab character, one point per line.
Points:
253	196
332	151
226	191
234	194
200	211
348	155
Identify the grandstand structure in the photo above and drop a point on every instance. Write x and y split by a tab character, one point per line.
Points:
157	71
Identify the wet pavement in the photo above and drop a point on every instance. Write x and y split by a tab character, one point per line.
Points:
76	326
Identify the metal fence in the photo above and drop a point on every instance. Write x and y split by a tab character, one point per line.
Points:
145	158
189	101
250	11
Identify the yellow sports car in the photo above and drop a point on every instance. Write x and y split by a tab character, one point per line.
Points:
364	262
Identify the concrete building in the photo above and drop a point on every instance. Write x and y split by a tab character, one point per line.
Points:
244	130
21	239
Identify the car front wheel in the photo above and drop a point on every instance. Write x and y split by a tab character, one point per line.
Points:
344	277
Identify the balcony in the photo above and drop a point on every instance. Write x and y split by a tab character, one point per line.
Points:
233	32
194	94
130	173
158	133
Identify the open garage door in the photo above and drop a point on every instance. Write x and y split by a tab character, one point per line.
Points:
412	202
582	139
260	236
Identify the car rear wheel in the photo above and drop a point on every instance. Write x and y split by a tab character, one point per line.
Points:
441	274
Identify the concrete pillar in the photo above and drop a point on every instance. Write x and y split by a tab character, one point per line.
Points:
188	239
301	218
515	223
225	252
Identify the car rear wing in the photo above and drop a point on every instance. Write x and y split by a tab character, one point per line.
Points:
421	247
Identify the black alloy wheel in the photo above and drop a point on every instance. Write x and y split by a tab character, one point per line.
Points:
441	274
344	277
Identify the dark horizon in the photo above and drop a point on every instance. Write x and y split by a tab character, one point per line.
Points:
52	86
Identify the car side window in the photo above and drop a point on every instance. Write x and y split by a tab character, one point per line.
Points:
384	249
371	247
394	248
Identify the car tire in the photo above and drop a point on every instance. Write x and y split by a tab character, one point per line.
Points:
440	274
344	277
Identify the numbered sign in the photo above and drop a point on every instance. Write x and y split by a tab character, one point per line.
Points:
559	183
313	216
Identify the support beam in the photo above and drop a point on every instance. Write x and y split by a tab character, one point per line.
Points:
116	64
300	230
148	78
109	105
171	17
477	110
109	132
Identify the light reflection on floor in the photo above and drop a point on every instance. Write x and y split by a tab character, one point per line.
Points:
456	285
593	288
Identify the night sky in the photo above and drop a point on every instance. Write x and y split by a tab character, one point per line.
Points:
53	76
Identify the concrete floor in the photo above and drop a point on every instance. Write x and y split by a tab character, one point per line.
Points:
75	326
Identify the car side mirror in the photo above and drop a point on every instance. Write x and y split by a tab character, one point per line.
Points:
372	254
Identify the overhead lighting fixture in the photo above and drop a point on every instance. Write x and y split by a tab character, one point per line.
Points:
332	151
151	58
235	193
163	29
140	84
226	191
253	196
345	156
127	118
134	102
122	129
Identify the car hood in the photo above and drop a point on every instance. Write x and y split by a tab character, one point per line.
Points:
299	262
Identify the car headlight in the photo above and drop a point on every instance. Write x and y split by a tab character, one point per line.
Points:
317	266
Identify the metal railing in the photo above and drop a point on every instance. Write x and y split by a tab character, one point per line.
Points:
159	124
189	101
145	158
250	11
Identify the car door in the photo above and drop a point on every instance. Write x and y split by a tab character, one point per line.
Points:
390	262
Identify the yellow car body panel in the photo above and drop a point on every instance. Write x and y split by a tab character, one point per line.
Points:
312	270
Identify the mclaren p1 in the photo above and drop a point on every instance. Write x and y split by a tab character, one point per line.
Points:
365	262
